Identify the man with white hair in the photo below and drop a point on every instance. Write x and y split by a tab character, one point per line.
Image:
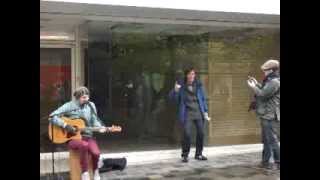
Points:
267	106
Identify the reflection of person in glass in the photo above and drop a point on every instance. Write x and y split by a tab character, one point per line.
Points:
129	94
81	107
191	99
60	93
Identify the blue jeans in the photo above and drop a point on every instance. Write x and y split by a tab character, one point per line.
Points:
270	141
186	142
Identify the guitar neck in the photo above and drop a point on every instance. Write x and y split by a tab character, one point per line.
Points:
94	129
97	129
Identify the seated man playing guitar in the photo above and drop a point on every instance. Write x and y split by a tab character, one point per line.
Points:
82	108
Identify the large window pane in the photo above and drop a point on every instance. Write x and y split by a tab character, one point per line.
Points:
132	68
55	88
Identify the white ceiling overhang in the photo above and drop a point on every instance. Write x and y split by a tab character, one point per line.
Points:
59	19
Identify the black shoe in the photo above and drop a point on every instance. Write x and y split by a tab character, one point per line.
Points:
201	158
185	159
265	166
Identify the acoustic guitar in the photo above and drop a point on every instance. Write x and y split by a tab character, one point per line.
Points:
59	135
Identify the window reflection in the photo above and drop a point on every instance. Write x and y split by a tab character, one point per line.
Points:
55	88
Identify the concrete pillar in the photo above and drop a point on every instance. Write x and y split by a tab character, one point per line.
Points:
77	62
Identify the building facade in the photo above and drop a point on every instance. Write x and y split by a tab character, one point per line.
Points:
130	57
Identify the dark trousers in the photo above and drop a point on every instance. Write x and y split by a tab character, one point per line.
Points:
186	142
270	141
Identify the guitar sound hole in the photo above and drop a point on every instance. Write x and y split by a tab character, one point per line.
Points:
69	135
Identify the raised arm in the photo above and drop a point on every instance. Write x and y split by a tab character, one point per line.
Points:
268	90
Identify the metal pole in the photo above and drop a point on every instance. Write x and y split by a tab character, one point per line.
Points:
53	146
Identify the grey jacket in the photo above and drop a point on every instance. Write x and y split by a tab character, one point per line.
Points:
268	98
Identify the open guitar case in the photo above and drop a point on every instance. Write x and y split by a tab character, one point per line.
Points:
110	164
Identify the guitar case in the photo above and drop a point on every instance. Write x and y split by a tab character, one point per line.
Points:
110	164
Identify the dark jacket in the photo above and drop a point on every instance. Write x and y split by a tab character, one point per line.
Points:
180	98
268	97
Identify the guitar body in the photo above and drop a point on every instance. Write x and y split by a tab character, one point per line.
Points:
59	135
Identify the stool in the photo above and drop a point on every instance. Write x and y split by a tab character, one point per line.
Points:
74	164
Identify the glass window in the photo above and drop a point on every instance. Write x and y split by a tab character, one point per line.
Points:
132	67
55	88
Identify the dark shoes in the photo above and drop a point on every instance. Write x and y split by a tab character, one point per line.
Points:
265	166
198	157
270	166
185	159
201	158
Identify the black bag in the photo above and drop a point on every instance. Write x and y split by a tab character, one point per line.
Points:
253	104
113	164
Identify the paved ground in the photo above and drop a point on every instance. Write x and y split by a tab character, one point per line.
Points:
233	167
225	163
228	173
